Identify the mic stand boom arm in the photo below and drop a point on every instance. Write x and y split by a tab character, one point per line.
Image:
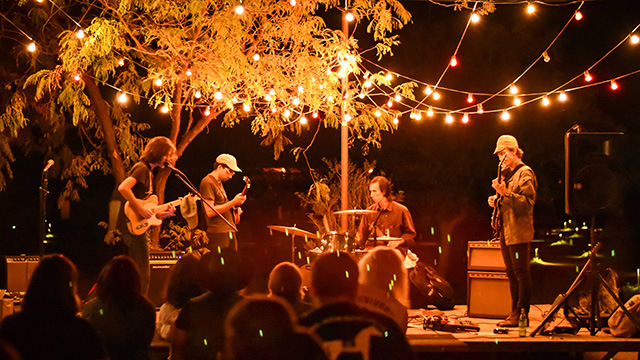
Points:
186	181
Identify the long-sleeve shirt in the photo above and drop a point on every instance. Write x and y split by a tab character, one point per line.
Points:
393	221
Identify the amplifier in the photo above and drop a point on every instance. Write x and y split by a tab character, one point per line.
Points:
163	256
485	255
488	294
19	270
161	263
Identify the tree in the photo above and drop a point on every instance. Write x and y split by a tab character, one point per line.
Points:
271	62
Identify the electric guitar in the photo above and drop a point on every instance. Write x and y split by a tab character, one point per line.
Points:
495	217
236	211
138	225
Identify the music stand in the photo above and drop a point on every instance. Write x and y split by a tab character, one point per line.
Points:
590	272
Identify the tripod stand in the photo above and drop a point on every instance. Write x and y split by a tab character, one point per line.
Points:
591	273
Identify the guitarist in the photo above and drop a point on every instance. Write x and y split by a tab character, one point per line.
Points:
517	195
137	186
220	234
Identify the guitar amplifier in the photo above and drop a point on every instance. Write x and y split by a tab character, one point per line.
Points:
485	255
19	271
488	294
161	263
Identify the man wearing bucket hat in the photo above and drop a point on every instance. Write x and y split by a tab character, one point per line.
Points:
514	199
219	232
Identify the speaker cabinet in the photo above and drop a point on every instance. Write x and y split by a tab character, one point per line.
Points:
19	271
488	294
161	263
485	255
592	164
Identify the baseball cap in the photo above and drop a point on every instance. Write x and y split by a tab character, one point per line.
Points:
506	141
228	160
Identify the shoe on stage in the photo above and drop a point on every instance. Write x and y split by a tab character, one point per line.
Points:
512	320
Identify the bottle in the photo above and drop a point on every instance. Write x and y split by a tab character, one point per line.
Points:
522	324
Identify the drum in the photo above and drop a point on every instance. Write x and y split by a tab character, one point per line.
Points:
359	254
335	241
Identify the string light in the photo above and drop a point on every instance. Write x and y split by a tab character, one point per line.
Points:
418	115
164	109
295	101
197	94
578	15
545	56
398	98
80	34
475	17
122	98
449	119
516	100
614	85
31	47
77	77
465	118
545	100
347	117
361	95
505	115
303	121
436	95
207	111
377	113
635	39
454	61
158	82
286	113
470	98
188	72
314	114
587	76
430	112
218	95
531	8
562	96
256	57
239	9
349	17
513	89
428	90
389	76
246	107
121	62
396	121
480	109
300	89
293	2
389	103
367	84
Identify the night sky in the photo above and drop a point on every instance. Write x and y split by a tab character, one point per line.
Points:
428	160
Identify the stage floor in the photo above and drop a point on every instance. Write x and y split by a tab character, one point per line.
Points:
485	344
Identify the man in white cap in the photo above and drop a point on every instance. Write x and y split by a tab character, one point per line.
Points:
219	232
514	199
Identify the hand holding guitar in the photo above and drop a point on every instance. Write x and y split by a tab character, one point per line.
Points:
240	199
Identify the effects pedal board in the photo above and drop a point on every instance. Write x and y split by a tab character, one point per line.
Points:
442	323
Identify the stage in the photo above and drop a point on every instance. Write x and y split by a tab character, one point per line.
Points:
484	344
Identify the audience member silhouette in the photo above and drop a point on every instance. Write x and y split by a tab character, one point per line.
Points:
181	286
265	328
122	316
345	328
285	281
384	286
47	327
199	329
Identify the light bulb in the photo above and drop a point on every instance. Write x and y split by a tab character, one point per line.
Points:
545	56
303	121
347	117
470	98
562	96
218	95
436	95
158	82
300	89
361	95
286	113
531	8
295	101
188	72
635	39
31	47
349	17
239	9
614	85
513	89
389	103
453	62
480	109
396	121
449	119
578	15
121	62
377	113
516	100
122	98
389	76
475	17
80	34
418	115
505	115
293	2
428	90
256	57
314	114
197	94
430	112
207	111
465	118
77	77
164	109
587	76
398	97
367	84
272	92
246	107
545	100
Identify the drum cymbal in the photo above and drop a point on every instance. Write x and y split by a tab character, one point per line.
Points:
291	230
355	212
387	238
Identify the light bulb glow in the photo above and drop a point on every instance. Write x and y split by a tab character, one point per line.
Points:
349	17
614	85
197	94
295	101
256	57
31	47
378	113
207	111
453	62
122	98
428	90
158	82
430	112
480	109
314	114
246	107
546	57
436	95
286	113
389	103
475	17
347	117
188	72
578	15
545	100
505	115
449	119
361	95
465	118
516	100
470	98
80	34
396	121
121	62
389	77
77	77
164	109
418	115
239	9
300	89
367	84
218	95
587	76
562	96
513	89
293	2
531	8
397	97
635	39
303	121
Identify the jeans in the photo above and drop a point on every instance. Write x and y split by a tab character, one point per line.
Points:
138	246
517	258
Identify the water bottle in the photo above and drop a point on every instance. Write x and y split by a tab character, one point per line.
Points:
522	324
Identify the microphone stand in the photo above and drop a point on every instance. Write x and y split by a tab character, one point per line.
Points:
180	175
44	184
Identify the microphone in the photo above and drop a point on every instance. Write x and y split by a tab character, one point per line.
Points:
49	164
168	165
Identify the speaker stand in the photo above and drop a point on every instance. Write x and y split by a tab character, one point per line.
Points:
589	272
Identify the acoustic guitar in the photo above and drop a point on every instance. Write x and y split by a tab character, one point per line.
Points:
236	211
138	225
